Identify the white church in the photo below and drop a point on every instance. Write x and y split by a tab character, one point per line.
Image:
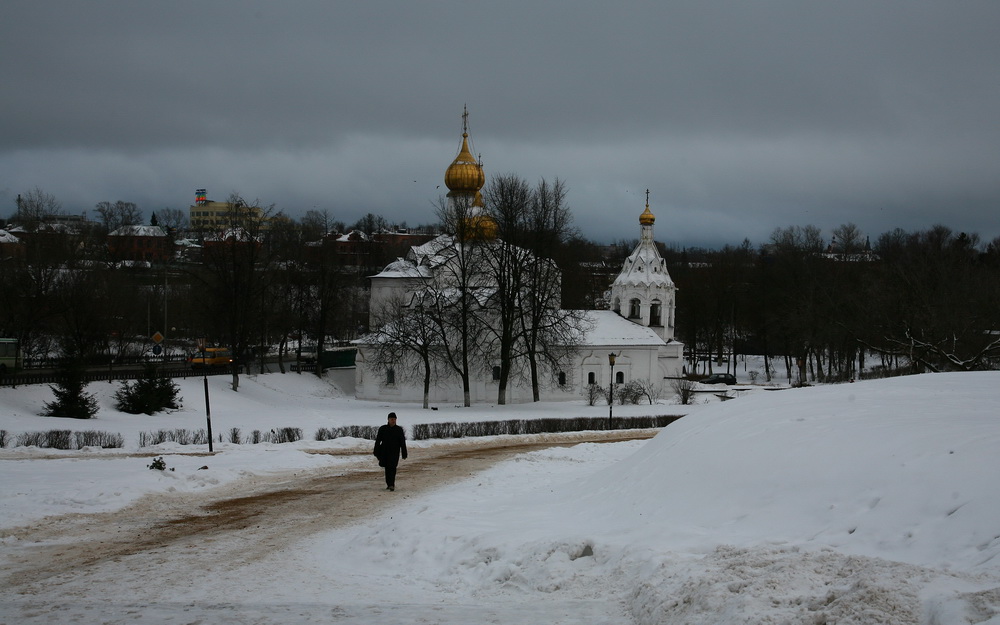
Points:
632	342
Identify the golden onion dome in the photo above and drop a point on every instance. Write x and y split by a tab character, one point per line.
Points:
646	218
481	227
465	174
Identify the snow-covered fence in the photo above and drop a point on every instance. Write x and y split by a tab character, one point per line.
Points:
105	375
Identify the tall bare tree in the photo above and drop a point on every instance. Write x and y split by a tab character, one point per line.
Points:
34	207
115	215
371	224
507	198
848	239
460	288
236	259
316	224
535	223
173	219
407	340
549	329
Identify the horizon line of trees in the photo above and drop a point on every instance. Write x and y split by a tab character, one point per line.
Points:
927	300
36	207
924	300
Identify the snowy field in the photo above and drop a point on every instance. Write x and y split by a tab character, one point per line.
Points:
874	502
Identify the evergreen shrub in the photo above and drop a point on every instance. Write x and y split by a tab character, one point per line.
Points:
71	401
147	395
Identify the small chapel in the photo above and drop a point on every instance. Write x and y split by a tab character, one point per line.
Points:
634	341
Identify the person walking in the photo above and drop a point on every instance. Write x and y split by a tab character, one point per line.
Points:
390	443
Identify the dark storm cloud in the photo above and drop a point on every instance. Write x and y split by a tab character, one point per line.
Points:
740	117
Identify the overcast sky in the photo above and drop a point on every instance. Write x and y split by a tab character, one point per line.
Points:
739	116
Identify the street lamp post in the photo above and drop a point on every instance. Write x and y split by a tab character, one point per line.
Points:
208	404
611	390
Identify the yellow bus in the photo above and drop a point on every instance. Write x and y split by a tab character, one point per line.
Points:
211	357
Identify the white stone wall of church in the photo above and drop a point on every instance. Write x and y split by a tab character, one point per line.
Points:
636	363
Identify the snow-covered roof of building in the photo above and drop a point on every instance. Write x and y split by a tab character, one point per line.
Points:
353	235
433	253
138	231
402	268
6	237
644	267
609	328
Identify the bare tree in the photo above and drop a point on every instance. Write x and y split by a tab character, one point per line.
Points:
406	340
548	331
508	198
460	288
173	219
316	224
849	239
236	259
649	389
685	390
371	224
934	301
115	215
34	207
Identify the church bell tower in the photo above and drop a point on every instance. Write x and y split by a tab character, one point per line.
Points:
643	291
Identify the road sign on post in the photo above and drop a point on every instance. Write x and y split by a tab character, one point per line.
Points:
157	338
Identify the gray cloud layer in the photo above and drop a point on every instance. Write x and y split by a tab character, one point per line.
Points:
740	117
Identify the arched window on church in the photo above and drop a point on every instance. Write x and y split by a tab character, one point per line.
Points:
390	377
562	378
591	378
620	377
655	314
633	309
496	373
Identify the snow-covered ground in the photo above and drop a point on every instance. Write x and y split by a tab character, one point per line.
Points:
874	502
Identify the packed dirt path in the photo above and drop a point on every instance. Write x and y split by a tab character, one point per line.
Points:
236	524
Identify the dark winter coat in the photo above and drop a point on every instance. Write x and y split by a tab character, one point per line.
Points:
390	443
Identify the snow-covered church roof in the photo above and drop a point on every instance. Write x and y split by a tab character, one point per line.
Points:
434	253
645	267
402	268
607	327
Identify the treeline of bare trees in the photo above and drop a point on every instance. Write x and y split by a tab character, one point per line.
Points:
36	208
490	298
920	301
925	300
256	283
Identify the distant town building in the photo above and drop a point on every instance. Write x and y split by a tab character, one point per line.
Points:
210	216
10	246
145	243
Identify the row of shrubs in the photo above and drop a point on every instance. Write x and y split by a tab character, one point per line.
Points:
66	439
233	435
353	431
423	431
62	439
